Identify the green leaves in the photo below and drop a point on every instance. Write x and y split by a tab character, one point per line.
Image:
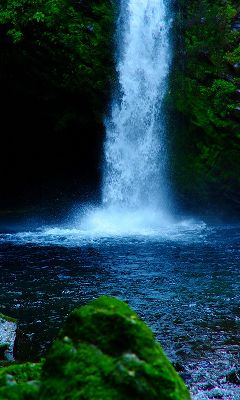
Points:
15	35
39	16
205	86
65	47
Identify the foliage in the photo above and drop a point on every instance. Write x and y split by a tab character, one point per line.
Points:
56	70
205	87
68	40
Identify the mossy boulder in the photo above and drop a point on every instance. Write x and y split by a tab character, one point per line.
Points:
106	352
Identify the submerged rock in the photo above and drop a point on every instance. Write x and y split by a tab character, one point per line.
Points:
8	328
3	349
105	352
234	377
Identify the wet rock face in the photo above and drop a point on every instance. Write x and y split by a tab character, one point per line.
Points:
106	352
8	328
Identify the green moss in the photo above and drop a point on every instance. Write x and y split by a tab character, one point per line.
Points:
7	318
26	391
106	352
20	381
58	50
20	372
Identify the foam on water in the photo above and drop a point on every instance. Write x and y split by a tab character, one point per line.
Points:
95	228
115	221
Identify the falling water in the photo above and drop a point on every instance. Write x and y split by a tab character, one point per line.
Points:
135	141
134	194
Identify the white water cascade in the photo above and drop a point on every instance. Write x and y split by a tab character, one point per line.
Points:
134	182
134	148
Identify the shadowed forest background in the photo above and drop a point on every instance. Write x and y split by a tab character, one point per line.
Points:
56	77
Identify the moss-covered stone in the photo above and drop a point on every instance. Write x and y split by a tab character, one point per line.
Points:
106	352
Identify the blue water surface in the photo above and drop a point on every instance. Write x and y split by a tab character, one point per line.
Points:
183	281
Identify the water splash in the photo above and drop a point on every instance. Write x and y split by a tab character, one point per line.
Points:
95	230
134	187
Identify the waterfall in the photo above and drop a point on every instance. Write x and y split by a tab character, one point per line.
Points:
135	131
134	179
